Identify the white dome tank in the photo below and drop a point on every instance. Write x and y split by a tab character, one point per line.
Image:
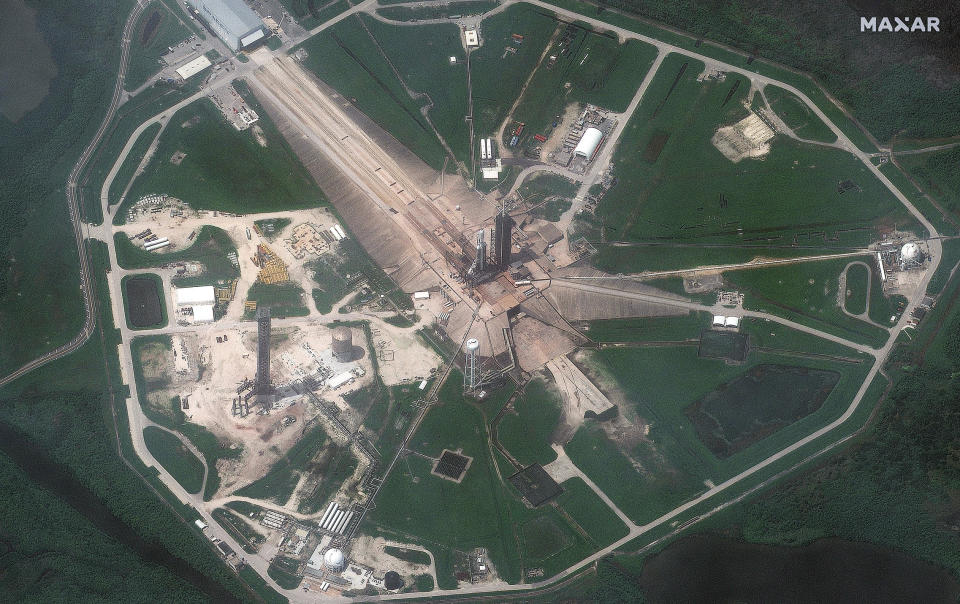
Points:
910	252
333	559
473	345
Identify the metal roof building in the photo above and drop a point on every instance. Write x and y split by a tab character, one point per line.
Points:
589	143
190	296
193	67
232	20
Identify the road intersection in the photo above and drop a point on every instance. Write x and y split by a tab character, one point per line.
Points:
138	421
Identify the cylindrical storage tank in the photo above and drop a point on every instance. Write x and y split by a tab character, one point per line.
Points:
343	344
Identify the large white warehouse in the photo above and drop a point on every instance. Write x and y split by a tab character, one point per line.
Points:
589	143
232	20
189	296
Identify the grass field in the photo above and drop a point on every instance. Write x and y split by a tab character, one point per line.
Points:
481	511
805	292
855	298
408	555
225	169
210	247
795	114
590	68
549	194
443	11
331	272
284	299
590	512
422	56
175	458
498	76
347	59
130	164
156	30
526	433
673	194
649	329
937	174
661	383
280	480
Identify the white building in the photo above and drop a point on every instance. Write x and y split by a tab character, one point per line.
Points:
589	143
203	313
193	296
192	68
233	21
471	38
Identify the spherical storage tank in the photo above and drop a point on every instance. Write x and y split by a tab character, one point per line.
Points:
910	252
473	345
343	344
333	559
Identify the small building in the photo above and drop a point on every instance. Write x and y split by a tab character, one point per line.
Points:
192	68
339	380
232	20
200	524
589	143
732	322
471	38
193	296
421	295
203	313
719	320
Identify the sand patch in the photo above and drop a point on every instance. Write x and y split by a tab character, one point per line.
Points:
749	137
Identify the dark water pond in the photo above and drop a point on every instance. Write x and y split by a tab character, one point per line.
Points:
48	474
711	568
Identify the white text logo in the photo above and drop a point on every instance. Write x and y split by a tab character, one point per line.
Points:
895	24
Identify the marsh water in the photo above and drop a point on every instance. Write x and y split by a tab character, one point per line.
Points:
712	568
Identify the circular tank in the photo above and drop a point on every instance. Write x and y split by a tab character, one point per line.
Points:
343	344
473	345
910	252
392	580
333	559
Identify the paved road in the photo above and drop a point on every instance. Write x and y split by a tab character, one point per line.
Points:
137	420
73	206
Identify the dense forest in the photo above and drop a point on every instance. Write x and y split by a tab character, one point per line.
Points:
40	305
894	83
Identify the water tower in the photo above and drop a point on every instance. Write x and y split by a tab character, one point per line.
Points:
343	344
470	375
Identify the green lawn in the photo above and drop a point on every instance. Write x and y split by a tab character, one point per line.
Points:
422	56
225	169
210	247
590	512
858	277
805	292
340	272
443	11
795	114
175	458
146	47
660	384
284	299
937	173
498	76
130	164
789	198
526	433
481	511
590	68
649	329
408	555
347	59
549	194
